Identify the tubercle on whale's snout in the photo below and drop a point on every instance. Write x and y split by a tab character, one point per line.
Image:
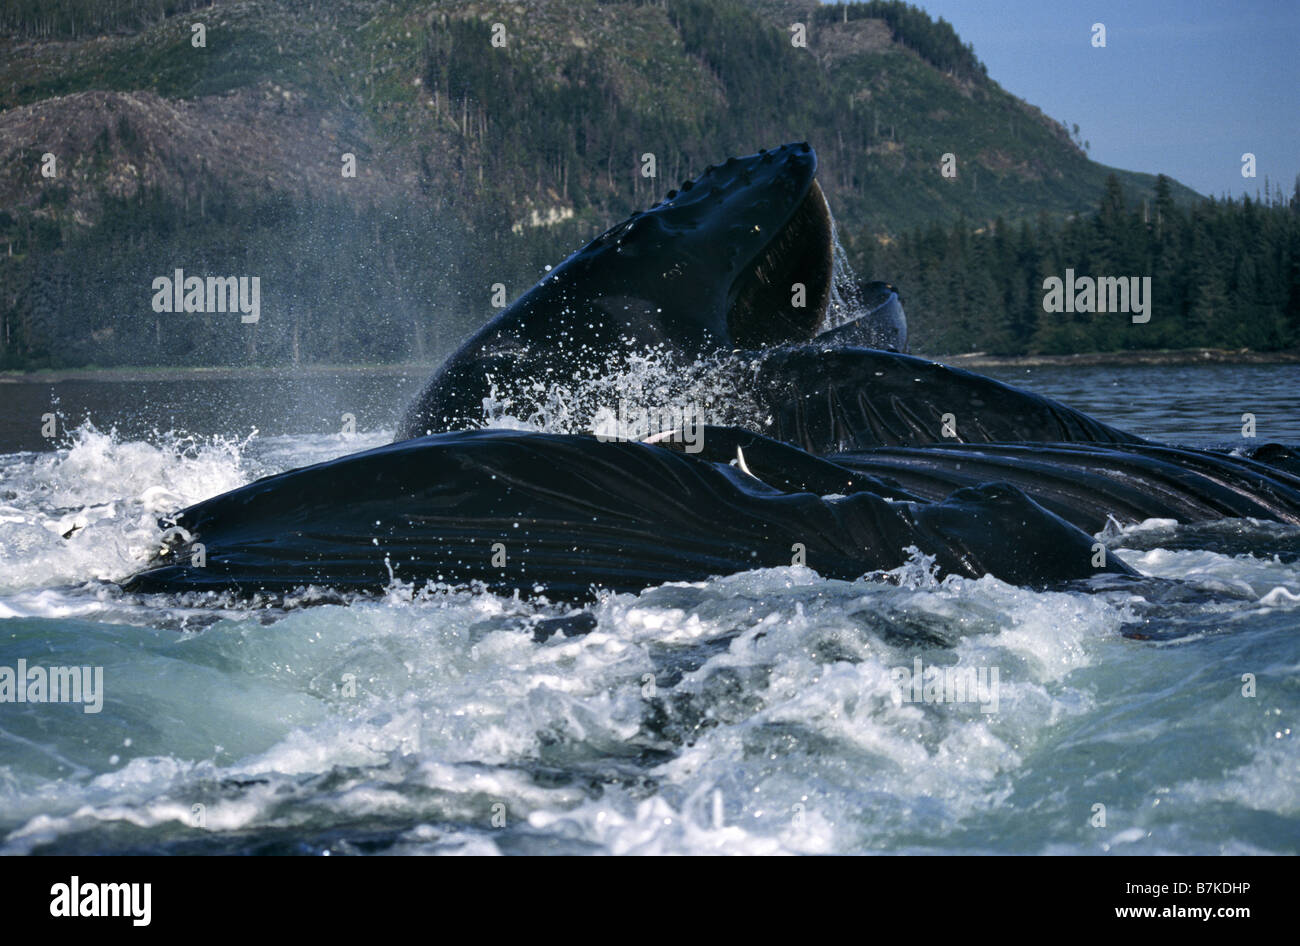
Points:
706	213
744	168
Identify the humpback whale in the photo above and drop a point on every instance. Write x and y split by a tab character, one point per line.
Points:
851	455
738	260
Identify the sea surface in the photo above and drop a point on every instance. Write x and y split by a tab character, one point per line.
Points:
762	712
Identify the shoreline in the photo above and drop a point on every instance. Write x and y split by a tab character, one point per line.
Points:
1180	356
210	372
969	360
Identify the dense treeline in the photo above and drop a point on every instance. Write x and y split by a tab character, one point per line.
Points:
338	284
389	284
41	19
1224	274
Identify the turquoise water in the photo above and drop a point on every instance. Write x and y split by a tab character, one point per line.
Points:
754	713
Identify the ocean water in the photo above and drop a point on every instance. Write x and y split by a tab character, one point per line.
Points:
763	712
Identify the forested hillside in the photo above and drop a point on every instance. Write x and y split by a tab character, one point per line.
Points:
1224	274
479	163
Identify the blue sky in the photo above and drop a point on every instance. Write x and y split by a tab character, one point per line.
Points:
1181	87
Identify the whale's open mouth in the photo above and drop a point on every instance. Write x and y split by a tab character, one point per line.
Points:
766	296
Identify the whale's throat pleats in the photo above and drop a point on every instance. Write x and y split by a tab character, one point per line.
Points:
782	294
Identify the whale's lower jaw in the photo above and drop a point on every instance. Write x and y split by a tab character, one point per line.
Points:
566	516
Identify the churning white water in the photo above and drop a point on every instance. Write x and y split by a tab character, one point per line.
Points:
763	712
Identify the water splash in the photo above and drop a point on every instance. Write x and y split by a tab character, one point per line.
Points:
639	386
89	509
846	301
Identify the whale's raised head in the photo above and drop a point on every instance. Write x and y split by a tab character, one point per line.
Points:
739	257
712	264
752	240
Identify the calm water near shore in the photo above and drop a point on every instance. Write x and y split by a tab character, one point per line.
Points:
1189	404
